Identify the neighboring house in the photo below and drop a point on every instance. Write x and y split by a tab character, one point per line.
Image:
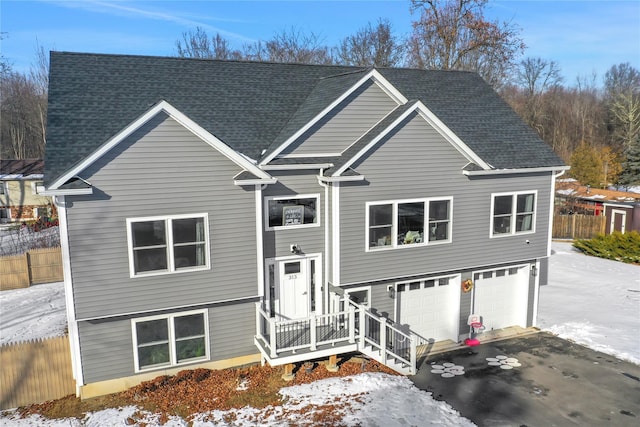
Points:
19	199
621	208
219	213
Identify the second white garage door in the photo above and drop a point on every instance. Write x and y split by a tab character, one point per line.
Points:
500	297
431	308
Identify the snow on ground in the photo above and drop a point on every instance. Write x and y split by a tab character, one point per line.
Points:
31	313
592	301
368	399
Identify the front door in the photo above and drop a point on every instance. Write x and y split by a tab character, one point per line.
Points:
293	286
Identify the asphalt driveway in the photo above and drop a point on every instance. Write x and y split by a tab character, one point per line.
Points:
535	380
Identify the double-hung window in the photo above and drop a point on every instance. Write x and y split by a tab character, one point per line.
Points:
408	223
513	213
170	340
168	244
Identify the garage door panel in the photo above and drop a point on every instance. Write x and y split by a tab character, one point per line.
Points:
500	297
432	310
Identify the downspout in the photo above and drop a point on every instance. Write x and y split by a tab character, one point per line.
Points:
72	325
260	240
325	276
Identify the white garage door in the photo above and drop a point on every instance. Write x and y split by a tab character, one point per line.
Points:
430	308
500	297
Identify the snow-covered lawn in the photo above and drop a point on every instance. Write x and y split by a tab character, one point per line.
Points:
592	301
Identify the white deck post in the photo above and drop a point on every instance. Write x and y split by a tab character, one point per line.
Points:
383	340
352	324
273	351
414	355
312	330
363	329
258	316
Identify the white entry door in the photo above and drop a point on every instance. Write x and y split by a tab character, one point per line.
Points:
292	280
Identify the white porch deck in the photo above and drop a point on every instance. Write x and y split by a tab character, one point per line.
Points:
288	341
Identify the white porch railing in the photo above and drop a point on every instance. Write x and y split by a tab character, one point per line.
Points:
354	329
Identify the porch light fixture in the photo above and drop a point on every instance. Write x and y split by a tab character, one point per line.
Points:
534	270
391	291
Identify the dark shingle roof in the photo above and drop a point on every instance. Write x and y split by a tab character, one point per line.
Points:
252	106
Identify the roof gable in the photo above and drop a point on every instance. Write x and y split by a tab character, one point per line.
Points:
394	120
324	95
179	117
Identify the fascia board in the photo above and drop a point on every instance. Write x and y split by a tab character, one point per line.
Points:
516	171
186	122
340	178
373	74
306	166
241	182
74	192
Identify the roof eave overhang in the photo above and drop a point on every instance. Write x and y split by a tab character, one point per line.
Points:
243	182
306	166
349	178
67	192
515	171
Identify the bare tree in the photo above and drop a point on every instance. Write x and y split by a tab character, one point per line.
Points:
371	46
454	35
23	110
198	44
293	46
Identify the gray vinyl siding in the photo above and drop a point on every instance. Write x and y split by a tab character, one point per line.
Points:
161	169
107	345
416	162
311	239
346	123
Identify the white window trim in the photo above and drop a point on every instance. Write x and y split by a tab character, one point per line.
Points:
349	291
171	269
5	186
34	187
172	341
394	226
514	207
8	211
291	227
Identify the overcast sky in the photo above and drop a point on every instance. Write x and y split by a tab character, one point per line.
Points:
582	36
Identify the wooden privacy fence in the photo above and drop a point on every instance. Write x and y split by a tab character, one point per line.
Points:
35	371
33	267
578	226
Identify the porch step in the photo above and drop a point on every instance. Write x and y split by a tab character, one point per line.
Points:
376	355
